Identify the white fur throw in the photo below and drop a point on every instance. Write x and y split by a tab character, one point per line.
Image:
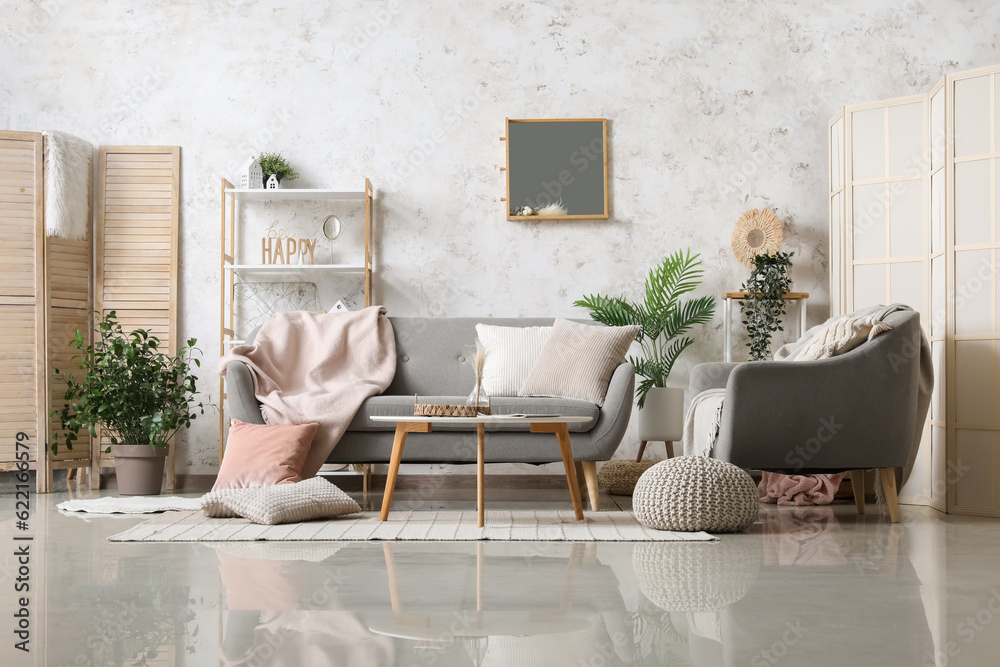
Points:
68	175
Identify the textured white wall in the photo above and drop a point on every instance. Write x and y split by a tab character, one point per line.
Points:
714	107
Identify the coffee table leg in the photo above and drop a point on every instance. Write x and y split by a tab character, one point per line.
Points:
481	472
390	481
402	428
562	435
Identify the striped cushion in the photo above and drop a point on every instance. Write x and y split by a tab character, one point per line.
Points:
577	361
510	354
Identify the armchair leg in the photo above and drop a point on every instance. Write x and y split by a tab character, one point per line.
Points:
642	448
858	485
888	478
588	471
669	445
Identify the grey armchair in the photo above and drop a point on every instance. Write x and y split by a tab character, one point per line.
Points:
861	410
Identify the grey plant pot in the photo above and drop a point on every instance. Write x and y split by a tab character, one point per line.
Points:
139	469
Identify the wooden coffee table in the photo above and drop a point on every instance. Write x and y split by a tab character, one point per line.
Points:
406	424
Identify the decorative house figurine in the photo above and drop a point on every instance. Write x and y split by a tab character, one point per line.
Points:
272	183
252	176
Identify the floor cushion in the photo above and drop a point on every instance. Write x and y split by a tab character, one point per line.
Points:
695	493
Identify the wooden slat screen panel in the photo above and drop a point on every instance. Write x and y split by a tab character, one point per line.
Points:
62	327
137	222
22	293
138	201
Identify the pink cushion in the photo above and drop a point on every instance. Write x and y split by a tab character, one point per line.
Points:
264	455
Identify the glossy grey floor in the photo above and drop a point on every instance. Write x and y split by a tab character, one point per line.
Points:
808	586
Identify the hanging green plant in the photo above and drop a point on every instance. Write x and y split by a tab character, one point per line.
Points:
764	304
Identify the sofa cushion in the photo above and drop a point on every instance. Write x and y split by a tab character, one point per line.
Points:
403	405
510	354
577	361
264	455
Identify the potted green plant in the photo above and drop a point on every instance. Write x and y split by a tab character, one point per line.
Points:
663	319
764	303
274	163
137	394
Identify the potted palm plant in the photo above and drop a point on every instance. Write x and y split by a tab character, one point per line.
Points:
663	319
136	393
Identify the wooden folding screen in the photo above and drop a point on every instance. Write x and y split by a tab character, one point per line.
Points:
137	219
45	298
22	298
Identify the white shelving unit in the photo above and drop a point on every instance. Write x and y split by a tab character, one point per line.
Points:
233	271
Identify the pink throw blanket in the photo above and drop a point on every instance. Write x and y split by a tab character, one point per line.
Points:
798	489
319	367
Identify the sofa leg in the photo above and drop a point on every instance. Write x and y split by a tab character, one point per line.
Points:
366	478
588	471
669	446
888	478
858	485
642	448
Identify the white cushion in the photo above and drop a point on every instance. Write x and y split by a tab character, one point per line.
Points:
313	498
510	354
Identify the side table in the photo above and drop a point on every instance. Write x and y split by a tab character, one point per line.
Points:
727	316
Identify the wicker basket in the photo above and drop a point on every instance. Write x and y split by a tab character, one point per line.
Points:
619	477
431	410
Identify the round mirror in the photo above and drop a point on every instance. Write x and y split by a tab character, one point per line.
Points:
332	227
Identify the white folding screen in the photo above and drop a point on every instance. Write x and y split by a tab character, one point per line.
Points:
917	224
938	263
972	332
836	202
883	224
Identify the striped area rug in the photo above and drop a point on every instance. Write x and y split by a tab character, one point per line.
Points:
542	526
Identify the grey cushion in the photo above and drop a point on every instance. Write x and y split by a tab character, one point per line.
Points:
403	405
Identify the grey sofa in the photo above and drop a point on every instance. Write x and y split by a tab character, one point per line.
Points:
861	410
433	360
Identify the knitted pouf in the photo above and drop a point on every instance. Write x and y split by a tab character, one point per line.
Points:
692	493
619	477
694	576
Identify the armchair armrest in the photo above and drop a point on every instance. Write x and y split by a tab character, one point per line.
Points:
240	396
858	410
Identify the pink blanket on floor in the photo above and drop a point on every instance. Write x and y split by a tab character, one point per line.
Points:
798	489
318	367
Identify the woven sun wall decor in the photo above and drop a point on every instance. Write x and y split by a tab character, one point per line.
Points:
757	232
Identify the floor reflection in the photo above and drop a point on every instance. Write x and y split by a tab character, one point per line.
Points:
816	585
775	594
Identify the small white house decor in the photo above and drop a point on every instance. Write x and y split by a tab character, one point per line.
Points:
273	183
252	176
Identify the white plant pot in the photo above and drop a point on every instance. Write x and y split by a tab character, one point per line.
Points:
662	416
